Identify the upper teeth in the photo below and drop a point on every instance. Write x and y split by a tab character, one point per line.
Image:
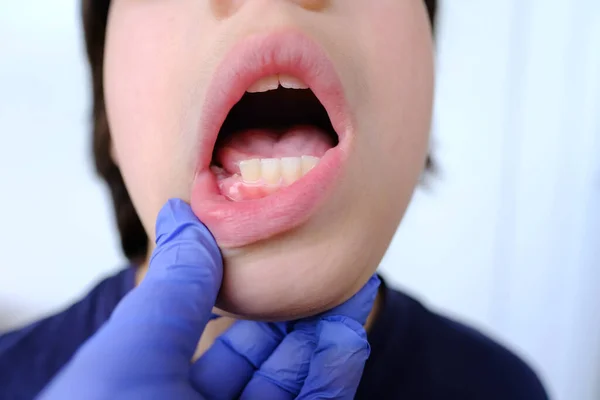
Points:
274	81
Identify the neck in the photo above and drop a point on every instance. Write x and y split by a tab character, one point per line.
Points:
218	326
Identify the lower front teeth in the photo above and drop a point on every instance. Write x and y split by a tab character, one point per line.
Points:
291	169
274	171
250	170
308	163
270	169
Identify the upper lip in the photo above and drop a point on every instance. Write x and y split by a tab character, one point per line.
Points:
263	55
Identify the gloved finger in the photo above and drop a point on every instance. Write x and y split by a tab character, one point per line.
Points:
359	306
338	361
228	365
282	375
153	332
173	303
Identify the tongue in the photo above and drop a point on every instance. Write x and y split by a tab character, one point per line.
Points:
264	143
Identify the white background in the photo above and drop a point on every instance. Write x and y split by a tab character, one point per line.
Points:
507	239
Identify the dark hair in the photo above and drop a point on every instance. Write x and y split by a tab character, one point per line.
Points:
134	240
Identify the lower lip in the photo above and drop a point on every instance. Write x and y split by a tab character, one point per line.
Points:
237	224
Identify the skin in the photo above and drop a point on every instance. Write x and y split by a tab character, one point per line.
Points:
159	59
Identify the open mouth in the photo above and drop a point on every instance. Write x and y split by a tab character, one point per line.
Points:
275	135
271	138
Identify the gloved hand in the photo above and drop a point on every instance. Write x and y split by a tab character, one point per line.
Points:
144	350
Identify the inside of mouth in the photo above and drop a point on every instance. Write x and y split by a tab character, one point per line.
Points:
269	141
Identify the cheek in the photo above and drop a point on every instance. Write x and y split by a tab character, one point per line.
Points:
398	67
400	76
147	102
394	117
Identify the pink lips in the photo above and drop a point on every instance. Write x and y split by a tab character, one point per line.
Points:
236	224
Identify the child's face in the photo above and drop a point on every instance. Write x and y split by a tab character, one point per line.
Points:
173	69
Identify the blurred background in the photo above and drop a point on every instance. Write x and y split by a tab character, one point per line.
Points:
507	237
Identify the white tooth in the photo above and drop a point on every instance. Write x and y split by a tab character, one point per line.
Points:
291	169
291	82
250	170
308	163
271	170
264	84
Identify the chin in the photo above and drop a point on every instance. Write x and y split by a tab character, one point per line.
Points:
294	275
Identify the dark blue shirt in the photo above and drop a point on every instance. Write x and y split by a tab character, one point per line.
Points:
415	353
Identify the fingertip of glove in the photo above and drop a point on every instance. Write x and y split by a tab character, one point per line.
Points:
346	335
371	287
343	326
174	217
181	238
359	306
171	217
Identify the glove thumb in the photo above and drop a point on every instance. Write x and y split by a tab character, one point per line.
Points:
177	294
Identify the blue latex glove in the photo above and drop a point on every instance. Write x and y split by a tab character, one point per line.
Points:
144	350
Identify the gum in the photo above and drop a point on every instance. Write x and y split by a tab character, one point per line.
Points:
235	189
